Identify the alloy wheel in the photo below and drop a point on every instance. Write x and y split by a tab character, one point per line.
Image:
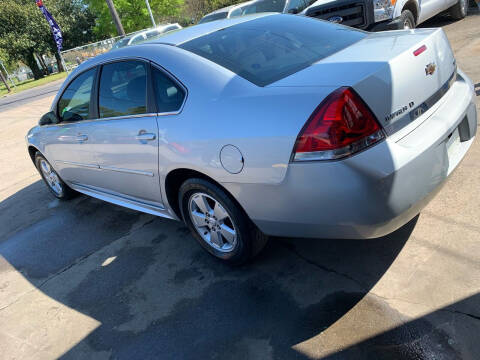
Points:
51	177
212	222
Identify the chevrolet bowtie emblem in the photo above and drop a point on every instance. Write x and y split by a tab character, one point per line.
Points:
430	69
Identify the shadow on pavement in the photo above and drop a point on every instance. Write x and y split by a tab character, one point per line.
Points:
163	297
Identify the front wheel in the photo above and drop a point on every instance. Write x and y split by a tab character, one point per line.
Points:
218	223
407	19
459	10
53	181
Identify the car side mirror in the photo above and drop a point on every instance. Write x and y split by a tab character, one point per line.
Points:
293	11
48	118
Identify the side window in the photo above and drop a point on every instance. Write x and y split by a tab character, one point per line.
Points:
236	12
137	39
123	89
170	28
169	95
296	5
75	101
151	34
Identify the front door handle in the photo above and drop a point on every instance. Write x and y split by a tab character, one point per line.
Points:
144	136
82	137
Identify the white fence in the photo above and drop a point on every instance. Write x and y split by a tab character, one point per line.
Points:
74	57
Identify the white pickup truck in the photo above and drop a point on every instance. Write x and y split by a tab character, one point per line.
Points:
377	15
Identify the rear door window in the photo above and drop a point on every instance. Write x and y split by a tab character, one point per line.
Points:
269	48
123	89
168	94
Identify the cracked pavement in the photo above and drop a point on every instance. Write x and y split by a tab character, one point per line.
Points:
89	280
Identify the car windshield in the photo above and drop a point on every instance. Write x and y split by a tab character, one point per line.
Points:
213	17
270	48
121	43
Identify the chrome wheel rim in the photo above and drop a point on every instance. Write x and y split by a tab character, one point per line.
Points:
212	222
51	177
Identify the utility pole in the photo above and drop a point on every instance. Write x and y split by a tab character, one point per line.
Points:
115	18
5	81
150	12
6	72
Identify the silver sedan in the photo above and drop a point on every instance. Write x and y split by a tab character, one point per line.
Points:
263	125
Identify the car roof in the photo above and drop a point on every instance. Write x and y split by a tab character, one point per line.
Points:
195	31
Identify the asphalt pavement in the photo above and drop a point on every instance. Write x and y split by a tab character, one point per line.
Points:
85	279
27	96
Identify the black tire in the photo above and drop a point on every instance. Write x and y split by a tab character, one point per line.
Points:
66	192
459	10
249	239
407	19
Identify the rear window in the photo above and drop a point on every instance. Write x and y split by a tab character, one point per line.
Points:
270	48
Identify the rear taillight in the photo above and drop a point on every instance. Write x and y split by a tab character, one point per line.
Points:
340	126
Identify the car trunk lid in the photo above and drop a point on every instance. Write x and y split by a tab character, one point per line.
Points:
397	82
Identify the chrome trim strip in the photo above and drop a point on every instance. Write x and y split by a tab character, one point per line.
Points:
432	100
157	210
127	171
90	166
126	117
66	123
412	115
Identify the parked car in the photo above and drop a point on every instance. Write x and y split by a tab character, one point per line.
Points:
257	6
378	15
263	125
225	13
141	36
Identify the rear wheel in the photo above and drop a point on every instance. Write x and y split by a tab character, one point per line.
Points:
459	10
407	19
53	181
218	223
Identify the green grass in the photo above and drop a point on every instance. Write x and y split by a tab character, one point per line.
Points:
28	84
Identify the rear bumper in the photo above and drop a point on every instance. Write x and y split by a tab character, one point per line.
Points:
372	193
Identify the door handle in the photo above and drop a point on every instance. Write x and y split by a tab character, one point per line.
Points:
82	137
143	136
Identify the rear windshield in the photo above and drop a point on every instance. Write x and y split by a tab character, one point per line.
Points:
270	48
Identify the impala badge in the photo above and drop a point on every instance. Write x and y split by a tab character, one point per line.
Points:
335	19
430	69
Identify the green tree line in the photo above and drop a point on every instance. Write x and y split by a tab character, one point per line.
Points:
25	34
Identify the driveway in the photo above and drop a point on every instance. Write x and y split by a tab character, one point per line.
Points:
89	280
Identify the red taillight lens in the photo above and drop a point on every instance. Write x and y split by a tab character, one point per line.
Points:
340	126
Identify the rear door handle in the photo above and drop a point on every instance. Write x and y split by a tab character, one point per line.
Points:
142	136
82	137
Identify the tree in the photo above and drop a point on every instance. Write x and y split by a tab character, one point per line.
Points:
76	22
25	32
22	33
133	14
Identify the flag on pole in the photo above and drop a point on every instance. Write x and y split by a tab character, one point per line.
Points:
57	33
